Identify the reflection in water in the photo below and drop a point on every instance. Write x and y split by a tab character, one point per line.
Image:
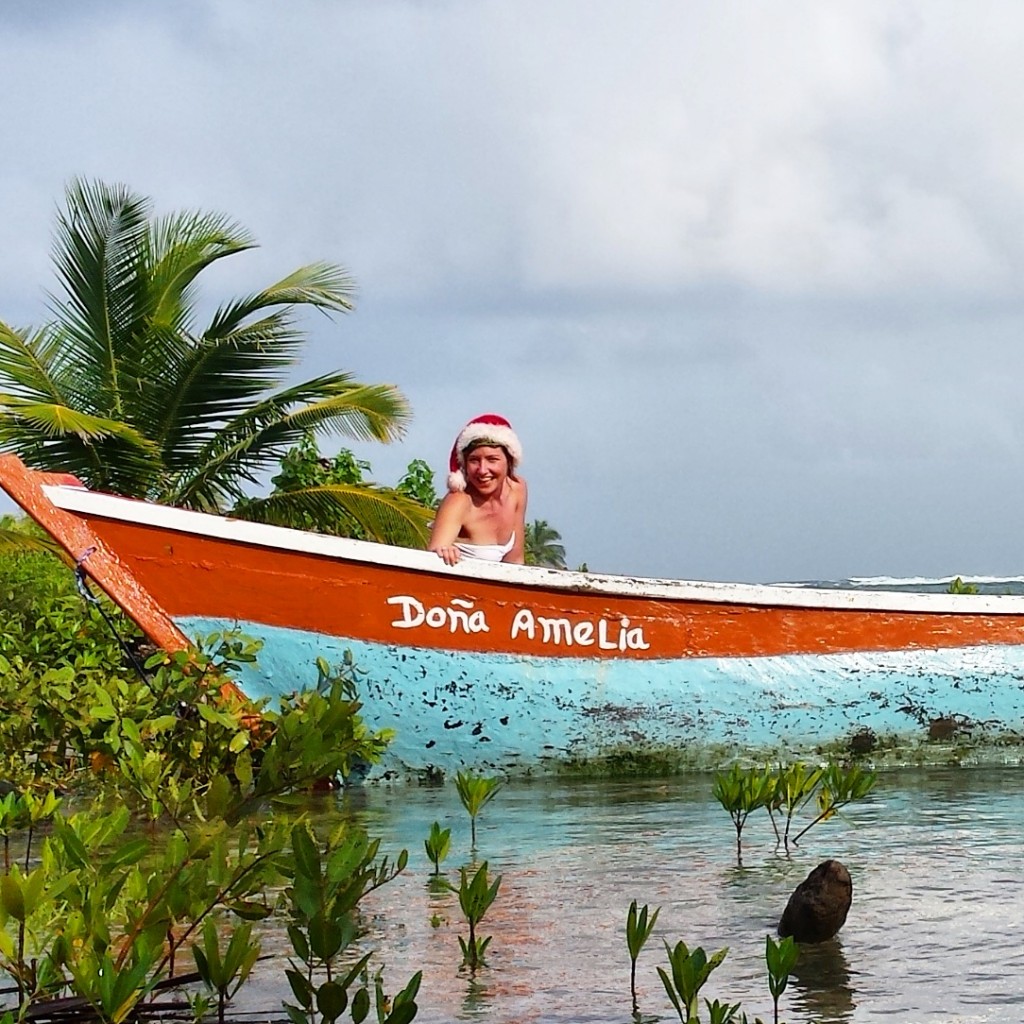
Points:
475	1001
821	985
932	855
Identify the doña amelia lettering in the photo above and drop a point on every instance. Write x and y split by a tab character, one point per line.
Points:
462	616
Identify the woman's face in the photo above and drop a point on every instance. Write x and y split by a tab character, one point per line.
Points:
486	468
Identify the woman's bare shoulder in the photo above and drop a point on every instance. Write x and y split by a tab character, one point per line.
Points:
518	489
455	500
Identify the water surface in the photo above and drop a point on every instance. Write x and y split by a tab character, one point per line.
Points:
935	933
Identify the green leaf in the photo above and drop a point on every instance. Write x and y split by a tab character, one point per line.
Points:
325	937
249	910
307	857
301	988
299	943
243	769
12	897
360	1006
402	1014
128	853
295	1015
331	1000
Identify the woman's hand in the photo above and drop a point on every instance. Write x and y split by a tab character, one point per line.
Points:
449	554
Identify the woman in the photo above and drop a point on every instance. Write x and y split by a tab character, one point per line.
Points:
484	513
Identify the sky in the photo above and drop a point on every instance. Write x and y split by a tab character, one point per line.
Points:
747	278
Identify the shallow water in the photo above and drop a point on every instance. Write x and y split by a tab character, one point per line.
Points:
935	933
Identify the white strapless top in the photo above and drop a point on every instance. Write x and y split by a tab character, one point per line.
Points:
487	552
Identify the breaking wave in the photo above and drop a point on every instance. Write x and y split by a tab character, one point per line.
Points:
920	584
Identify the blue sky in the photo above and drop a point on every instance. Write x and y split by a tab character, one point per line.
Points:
745	277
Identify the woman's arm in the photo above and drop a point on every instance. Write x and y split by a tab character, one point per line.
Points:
451	514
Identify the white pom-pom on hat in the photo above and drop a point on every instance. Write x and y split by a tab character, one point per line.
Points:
488	427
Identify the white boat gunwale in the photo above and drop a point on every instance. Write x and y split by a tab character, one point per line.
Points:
81	500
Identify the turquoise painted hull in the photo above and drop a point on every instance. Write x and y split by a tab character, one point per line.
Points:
513	715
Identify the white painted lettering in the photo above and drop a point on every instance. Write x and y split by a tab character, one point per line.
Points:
583	633
523	623
412	612
554	630
635	639
602	637
462	616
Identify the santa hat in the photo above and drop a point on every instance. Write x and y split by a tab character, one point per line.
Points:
487	429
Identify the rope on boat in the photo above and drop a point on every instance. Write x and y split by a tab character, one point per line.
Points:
82	582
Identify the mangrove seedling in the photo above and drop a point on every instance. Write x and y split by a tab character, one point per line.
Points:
475	792
839	786
437	845
741	792
689	973
224	973
104	911
638	930
114	990
13	817
475	899
324	897
399	1010
781	958
795	785
725	1013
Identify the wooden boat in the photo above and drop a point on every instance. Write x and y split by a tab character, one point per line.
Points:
522	669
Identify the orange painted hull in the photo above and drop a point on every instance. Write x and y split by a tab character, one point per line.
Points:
411	617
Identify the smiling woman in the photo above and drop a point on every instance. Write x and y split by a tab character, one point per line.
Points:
484	514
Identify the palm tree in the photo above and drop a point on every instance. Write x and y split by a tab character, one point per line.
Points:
542	545
125	389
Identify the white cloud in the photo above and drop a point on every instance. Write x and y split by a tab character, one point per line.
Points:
743	275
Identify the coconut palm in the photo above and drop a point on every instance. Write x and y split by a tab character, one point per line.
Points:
542	545
127	390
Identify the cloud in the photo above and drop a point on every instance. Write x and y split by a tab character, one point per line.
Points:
744	276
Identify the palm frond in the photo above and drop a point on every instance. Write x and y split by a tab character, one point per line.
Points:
542	544
98	255
26	363
104	454
121	387
325	286
180	247
382	514
53	420
263	435
216	381
362	412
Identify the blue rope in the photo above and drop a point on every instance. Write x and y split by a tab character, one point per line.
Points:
86	591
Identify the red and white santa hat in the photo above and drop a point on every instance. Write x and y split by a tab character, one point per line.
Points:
490	427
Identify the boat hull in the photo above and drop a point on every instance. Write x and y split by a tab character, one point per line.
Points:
524	670
529	715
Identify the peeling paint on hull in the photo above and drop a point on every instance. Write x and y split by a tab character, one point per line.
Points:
519	716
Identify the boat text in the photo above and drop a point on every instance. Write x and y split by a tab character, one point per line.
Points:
461	616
